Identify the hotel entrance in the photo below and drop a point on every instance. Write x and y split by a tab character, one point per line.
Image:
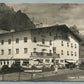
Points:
17	62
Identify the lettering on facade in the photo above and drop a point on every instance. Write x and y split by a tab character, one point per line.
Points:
42	45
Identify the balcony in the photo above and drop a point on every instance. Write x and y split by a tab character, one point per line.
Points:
45	55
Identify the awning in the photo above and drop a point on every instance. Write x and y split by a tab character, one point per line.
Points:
70	61
36	60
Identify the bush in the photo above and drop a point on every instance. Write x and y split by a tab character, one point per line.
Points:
52	68
70	65
81	66
33	67
5	69
45	69
16	68
61	66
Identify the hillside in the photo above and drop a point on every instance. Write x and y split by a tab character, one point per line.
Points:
9	19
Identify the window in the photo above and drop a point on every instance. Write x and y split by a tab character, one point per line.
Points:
47	60
9	41
41	61
49	51
75	46
71	45
58	55
17	62
1	62
25	50
43	50
4	63
17	40
34	40
2	42
54	49
55	37
75	54
25	62
61	52
57	61
34	49
61	61
62	43
67	44
50	34
71	53
7	62
9	51
25	39
50	42
2	52
53	60
67	52
43	41
17	51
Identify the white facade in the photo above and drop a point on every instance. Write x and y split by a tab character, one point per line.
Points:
7	55
37	40
69	48
70	53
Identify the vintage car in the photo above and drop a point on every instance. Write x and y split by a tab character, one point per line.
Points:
26	66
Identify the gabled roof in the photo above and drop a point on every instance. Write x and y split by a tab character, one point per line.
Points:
63	28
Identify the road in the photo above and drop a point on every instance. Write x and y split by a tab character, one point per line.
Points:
73	76
62	75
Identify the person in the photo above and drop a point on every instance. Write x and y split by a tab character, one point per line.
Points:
71	66
56	68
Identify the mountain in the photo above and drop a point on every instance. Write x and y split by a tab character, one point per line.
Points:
52	13
9	19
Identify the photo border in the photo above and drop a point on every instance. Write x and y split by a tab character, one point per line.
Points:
41	1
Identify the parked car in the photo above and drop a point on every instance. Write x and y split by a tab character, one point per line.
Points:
61	66
26	66
5	68
81	67
48	65
39	66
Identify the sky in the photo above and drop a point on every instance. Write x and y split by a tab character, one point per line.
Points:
52	14
42	1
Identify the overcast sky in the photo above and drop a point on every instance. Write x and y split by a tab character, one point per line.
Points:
50	14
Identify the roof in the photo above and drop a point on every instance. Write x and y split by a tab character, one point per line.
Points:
63	27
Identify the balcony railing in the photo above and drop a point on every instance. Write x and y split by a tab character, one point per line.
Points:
41	54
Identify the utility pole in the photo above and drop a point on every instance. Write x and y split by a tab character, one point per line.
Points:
11	31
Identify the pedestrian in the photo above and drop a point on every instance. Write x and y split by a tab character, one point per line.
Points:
71	66
56	68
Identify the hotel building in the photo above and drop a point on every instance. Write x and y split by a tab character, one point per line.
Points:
45	44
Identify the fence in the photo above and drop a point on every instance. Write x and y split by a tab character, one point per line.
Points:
22	76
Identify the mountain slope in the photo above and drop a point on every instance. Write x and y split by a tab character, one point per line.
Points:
9	19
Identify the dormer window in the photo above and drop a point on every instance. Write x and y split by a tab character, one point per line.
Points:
50	42
34	40
43	41
71	45
67	44
62	43
75	46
